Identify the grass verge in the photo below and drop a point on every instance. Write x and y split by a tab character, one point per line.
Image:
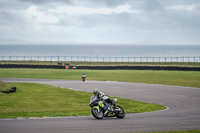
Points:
177	78
5	86
38	100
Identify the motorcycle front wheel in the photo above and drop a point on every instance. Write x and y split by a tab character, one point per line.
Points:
96	114
121	113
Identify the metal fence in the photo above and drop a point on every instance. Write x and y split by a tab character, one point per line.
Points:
101	59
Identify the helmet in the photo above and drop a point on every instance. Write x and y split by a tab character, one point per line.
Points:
96	92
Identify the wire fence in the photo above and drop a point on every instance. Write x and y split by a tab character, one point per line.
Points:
195	59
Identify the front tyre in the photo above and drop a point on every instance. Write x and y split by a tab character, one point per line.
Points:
120	114
96	114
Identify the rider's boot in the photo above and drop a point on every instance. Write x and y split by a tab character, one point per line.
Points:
105	108
113	103
106	113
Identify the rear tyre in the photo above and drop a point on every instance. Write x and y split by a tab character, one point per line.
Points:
120	114
96	114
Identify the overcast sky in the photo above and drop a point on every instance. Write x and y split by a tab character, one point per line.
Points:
100	21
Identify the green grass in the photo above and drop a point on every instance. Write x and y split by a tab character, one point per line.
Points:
38	100
55	101
178	78
189	131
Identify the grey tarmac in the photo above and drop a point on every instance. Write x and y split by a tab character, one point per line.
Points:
182	113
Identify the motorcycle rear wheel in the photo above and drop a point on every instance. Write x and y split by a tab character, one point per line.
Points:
96	114
120	114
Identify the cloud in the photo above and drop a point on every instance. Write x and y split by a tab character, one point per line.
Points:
84	10
188	8
26	16
104	3
152	5
34	13
102	21
46	1
184	17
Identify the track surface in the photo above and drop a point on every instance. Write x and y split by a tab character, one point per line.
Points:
183	111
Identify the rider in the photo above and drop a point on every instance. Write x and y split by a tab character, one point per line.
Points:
101	95
83	77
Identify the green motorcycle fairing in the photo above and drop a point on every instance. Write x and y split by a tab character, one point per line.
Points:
101	104
95	107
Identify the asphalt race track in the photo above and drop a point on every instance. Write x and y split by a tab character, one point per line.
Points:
182	113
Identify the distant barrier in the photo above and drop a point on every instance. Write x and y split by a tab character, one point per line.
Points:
102	67
195	59
138	68
31	66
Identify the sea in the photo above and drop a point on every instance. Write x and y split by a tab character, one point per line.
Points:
101	50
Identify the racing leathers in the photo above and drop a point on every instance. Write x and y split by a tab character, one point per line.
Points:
107	108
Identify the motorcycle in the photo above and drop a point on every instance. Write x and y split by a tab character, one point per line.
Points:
98	112
83	78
